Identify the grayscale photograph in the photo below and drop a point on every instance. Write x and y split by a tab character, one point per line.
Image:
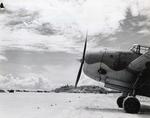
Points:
74	58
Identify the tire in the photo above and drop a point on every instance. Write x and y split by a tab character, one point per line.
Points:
120	101
131	105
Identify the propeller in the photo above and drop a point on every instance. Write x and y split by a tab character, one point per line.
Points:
82	62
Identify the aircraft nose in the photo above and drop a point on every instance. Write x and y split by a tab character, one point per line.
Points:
93	57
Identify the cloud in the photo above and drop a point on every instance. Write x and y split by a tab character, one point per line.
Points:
30	81
61	25
38	26
145	32
3	58
37	70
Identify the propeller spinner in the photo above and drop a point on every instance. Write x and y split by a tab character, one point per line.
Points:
82	62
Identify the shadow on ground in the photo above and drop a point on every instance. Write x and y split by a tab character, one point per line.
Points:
145	109
112	110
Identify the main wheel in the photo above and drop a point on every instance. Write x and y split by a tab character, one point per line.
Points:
131	105
120	101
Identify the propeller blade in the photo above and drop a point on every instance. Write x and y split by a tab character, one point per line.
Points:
82	62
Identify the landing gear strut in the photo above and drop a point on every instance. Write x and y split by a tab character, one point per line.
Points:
130	103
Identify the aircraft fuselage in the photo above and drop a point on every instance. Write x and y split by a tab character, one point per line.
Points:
111	67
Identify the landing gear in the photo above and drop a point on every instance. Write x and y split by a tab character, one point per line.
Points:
120	101
131	105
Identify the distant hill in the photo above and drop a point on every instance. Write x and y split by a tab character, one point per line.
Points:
83	89
68	89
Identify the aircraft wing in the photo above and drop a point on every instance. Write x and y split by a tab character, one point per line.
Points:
139	64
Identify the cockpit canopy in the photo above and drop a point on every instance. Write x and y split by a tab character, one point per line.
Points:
140	49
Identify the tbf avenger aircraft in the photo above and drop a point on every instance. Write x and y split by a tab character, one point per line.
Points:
127	72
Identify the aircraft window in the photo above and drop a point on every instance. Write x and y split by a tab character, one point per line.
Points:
136	49
140	49
144	50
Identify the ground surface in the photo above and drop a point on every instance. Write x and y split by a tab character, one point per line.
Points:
65	105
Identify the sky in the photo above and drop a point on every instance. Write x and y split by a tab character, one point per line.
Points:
42	40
